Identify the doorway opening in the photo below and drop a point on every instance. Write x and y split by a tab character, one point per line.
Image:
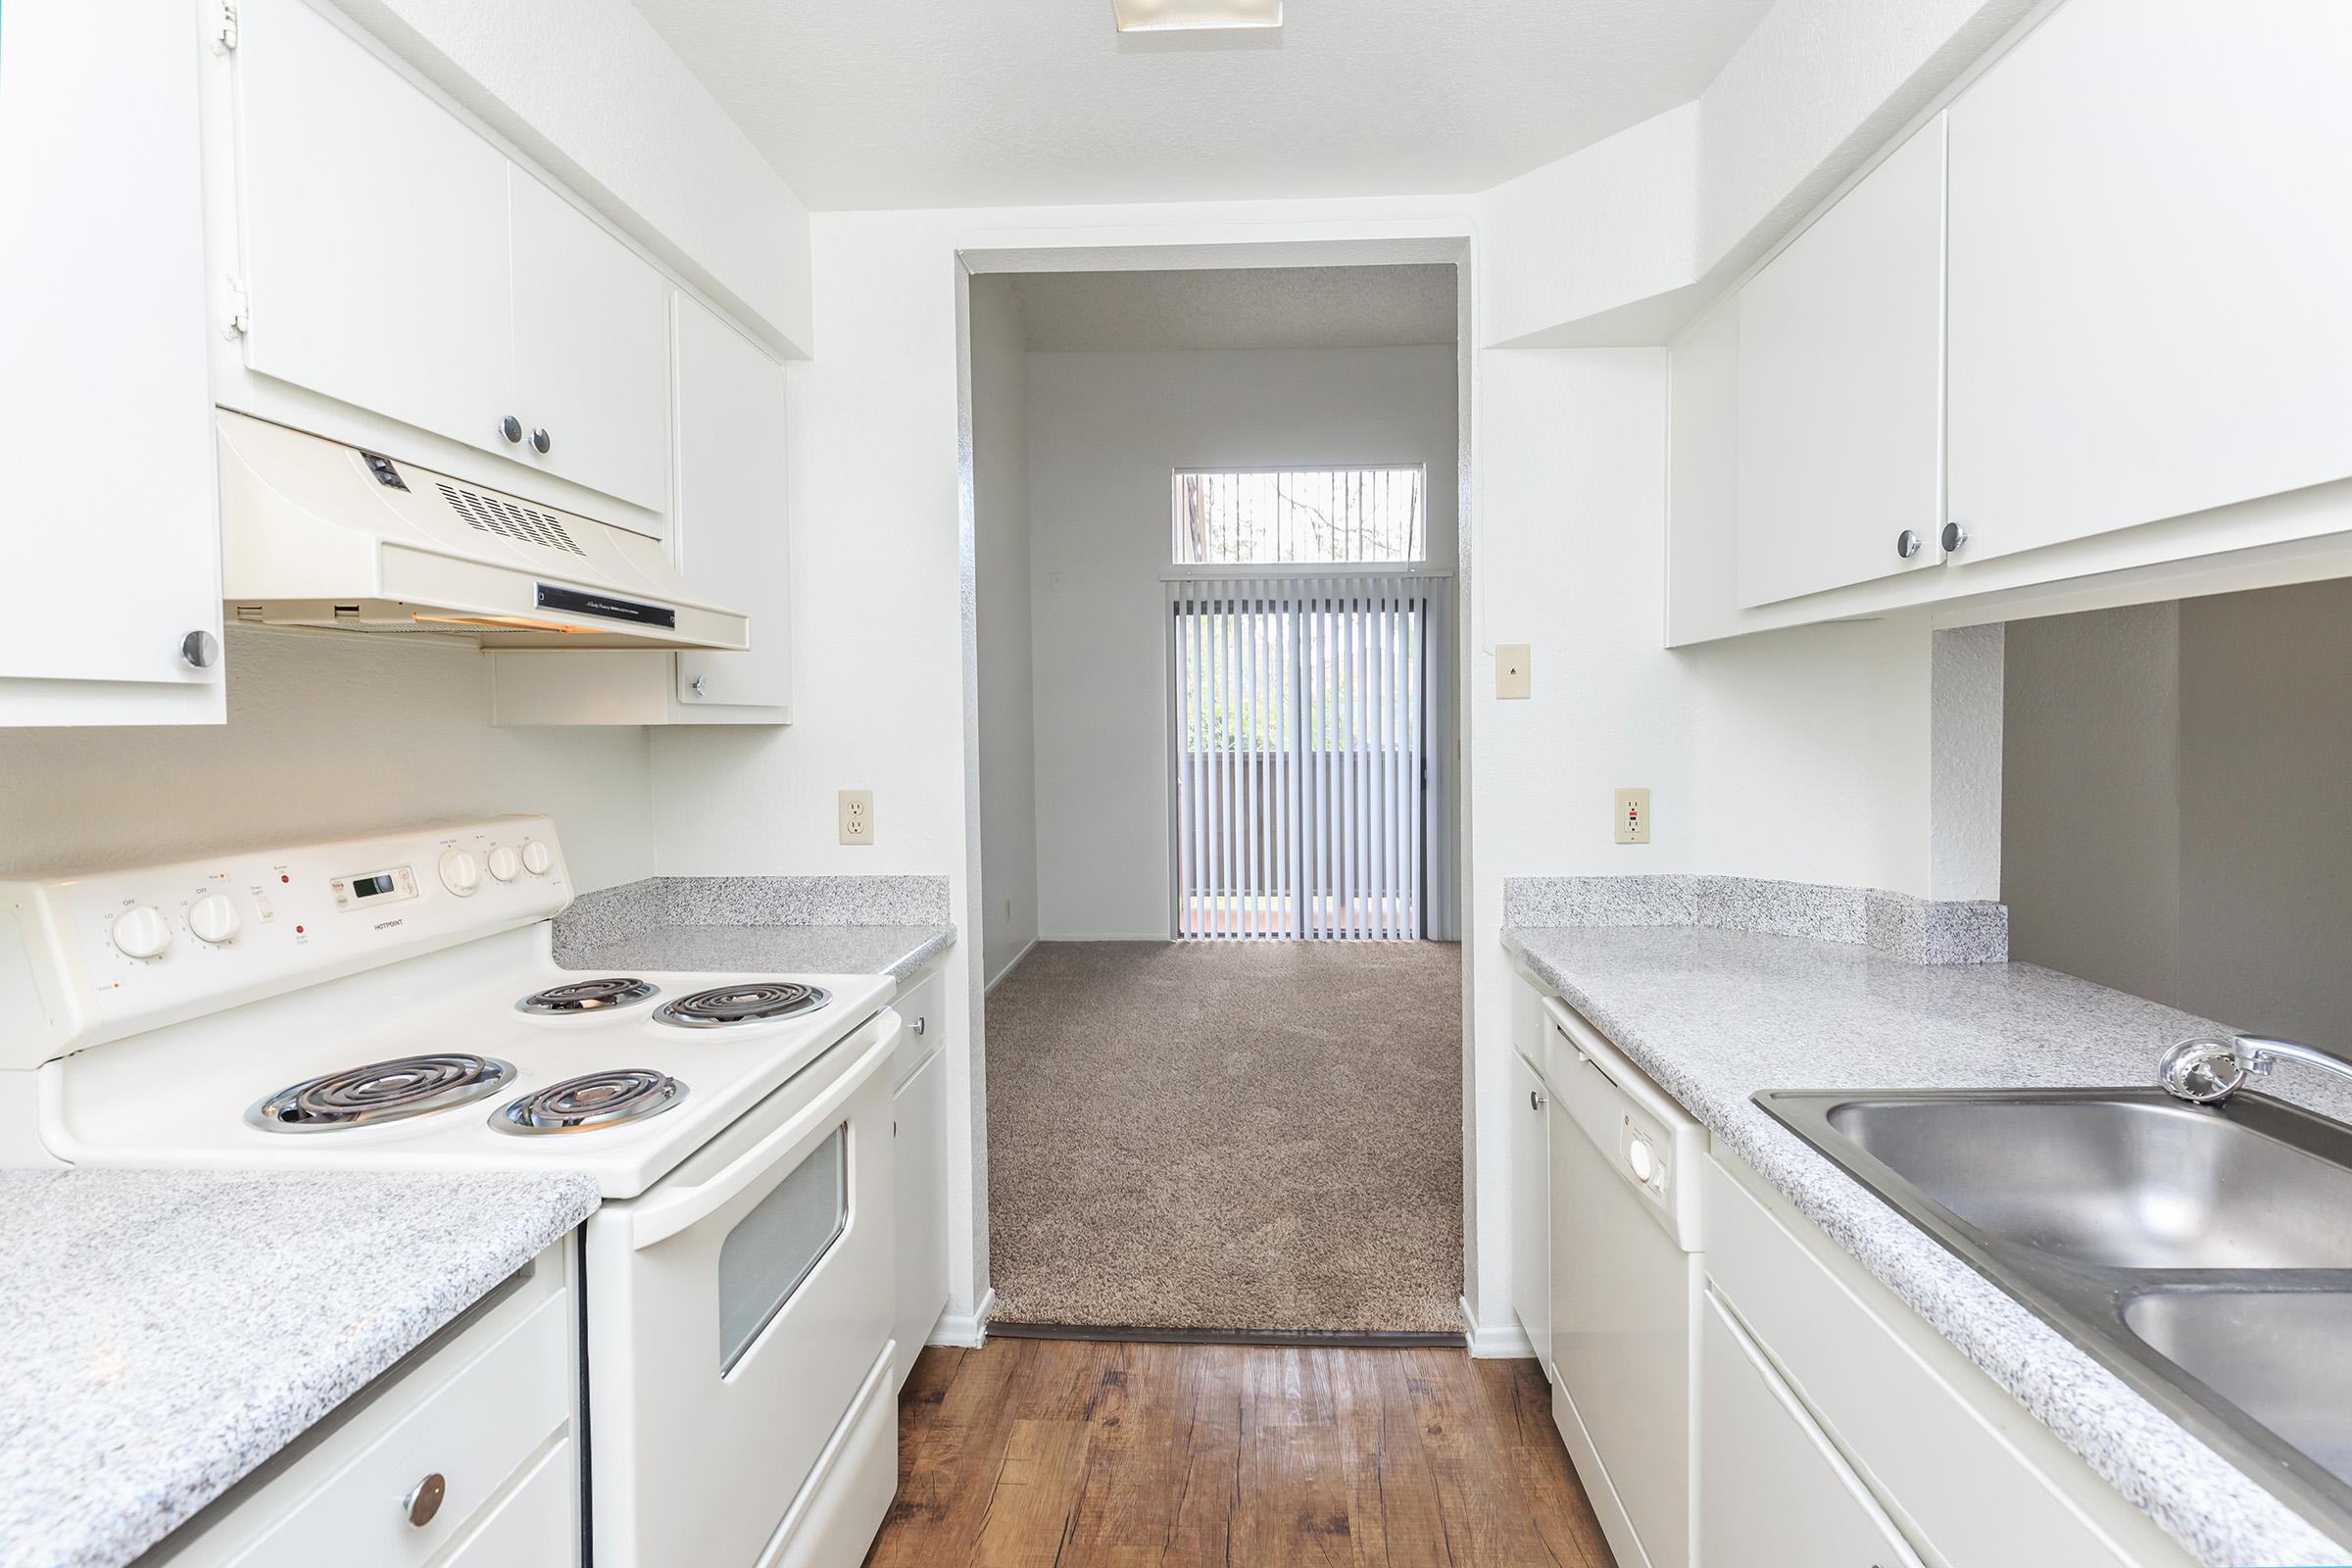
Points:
1215	532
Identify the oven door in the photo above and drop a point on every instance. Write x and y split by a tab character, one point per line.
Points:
735	1311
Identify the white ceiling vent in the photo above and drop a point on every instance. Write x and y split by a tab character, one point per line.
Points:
1194	16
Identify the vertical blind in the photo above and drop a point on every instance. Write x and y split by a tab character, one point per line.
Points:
1307	789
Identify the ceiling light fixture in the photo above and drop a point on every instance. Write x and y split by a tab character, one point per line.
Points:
1194	16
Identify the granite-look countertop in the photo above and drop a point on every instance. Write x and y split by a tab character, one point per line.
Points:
1714	1017
898	950
167	1331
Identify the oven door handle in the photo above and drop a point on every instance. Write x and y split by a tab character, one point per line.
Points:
676	1210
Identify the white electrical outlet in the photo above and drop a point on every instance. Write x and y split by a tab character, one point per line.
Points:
856	816
1511	675
1633	816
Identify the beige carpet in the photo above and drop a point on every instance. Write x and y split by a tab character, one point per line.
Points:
1246	1136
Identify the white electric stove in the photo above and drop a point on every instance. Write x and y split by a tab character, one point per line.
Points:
393	1003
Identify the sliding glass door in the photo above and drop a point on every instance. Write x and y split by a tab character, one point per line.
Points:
1307	792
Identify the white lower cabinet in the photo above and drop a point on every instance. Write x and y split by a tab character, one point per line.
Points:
484	1418
1531	1207
1773	1491
919	1128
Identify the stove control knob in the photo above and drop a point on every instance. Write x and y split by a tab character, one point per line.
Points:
142	932
214	919
505	863
537	857
460	872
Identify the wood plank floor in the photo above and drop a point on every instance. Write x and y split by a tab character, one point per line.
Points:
1067	1453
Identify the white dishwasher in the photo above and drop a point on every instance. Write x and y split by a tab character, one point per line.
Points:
1627	1292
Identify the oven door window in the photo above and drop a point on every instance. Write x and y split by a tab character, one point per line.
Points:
773	1247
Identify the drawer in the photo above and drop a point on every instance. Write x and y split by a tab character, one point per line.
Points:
1930	1434
535	1525
1774	1492
922	1006
834	1519
481	1425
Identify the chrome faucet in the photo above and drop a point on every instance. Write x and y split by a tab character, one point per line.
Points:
2208	1071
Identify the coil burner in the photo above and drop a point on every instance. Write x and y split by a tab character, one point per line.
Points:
380	1092
586	995
758	1001
592	1100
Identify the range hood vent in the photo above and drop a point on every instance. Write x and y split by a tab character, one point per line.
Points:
320	535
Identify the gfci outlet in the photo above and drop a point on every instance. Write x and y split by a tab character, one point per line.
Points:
856	816
1633	816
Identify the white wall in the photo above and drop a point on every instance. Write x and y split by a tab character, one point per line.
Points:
2179	777
327	734
590	90
1007	740
1106	430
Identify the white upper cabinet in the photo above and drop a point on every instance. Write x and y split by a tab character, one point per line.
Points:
2151	237
729	435
591	348
1841	389
398	262
376	248
109	529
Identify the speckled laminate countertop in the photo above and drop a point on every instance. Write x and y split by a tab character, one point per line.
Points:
1714	1017
898	950
169	1331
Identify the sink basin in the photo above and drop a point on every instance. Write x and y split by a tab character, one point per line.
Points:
2201	1253
2278	1355
2122	1182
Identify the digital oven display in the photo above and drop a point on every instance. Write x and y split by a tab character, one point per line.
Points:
368	887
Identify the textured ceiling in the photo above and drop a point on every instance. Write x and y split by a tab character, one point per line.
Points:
1244	307
954	103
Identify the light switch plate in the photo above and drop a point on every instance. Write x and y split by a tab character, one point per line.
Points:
856	816
1633	816
1510	671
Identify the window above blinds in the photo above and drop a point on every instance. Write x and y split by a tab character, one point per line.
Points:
1299	516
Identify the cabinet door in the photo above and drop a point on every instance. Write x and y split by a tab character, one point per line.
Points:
1531	1207
729	440
375	232
1842	388
919	1113
591	348
1772	1490
2149	251
111	539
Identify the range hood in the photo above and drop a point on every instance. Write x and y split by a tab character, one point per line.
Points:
315	533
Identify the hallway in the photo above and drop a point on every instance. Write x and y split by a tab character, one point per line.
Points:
1228	1136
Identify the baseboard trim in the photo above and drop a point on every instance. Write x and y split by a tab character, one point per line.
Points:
1313	1340
966	1330
998	978
1495	1342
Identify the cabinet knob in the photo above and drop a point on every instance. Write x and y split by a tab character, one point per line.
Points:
1954	536
512	428
1908	543
702	685
918	1025
200	648
541	440
424	1499
1535	1100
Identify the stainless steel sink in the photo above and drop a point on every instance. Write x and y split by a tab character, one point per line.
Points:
2201	1253
2141	1181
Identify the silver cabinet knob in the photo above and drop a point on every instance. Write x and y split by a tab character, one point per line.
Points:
918	1025
702	685
512	428
1908	543
1535	1100
200	648
1954	536
424	1499
541	440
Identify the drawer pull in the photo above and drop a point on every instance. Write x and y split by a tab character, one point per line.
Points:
424	1499
918	1025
